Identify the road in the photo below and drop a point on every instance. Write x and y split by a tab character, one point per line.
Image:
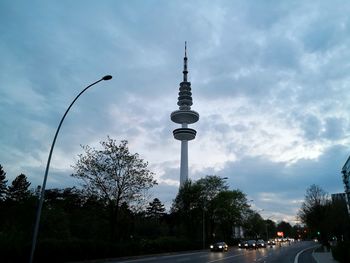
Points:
299	252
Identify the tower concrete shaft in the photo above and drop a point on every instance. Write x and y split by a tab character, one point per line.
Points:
184	163
184	116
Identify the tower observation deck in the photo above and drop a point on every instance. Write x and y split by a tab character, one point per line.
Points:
184	116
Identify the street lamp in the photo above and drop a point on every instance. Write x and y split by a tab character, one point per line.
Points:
37	220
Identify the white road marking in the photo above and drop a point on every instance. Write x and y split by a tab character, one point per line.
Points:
297	256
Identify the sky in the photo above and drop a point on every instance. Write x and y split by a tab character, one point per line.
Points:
270	81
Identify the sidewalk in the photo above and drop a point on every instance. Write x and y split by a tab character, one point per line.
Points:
323	257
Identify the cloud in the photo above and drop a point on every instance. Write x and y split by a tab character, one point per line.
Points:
275	186
334	128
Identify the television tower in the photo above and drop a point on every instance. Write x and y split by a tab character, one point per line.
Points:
184	116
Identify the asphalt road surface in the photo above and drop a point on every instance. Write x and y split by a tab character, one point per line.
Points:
298	252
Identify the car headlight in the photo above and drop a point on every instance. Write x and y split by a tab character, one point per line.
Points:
253	245
239	244
211	246
220	246
246	245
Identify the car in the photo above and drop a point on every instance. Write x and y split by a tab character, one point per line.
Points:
242	244
271	242
219	246
261	243
251	244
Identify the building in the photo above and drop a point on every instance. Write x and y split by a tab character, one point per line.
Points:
346	177
338	197
184	116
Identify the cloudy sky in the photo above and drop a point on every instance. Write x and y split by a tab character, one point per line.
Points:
270	80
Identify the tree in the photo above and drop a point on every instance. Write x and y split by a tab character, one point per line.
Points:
188	198
254	224
199	194
315	200
207	209
19	189
3	184
211	186
314	210
155	209
315	196
114	175
187	208
270	227
227	210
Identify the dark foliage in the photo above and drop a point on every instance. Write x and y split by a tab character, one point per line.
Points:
327	220
3	184
155	209
324	218
19	190
75	223
341	251
115	176
206	210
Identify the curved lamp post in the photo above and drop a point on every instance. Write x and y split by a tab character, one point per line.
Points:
41	201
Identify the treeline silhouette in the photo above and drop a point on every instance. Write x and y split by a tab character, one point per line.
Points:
75	226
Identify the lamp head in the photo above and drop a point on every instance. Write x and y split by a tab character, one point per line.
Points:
107	77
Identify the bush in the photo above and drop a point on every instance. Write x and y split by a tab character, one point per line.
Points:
13	248
53	250
341	252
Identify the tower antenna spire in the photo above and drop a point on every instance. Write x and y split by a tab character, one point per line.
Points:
185	63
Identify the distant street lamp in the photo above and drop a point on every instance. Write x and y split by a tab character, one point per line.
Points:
37	220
